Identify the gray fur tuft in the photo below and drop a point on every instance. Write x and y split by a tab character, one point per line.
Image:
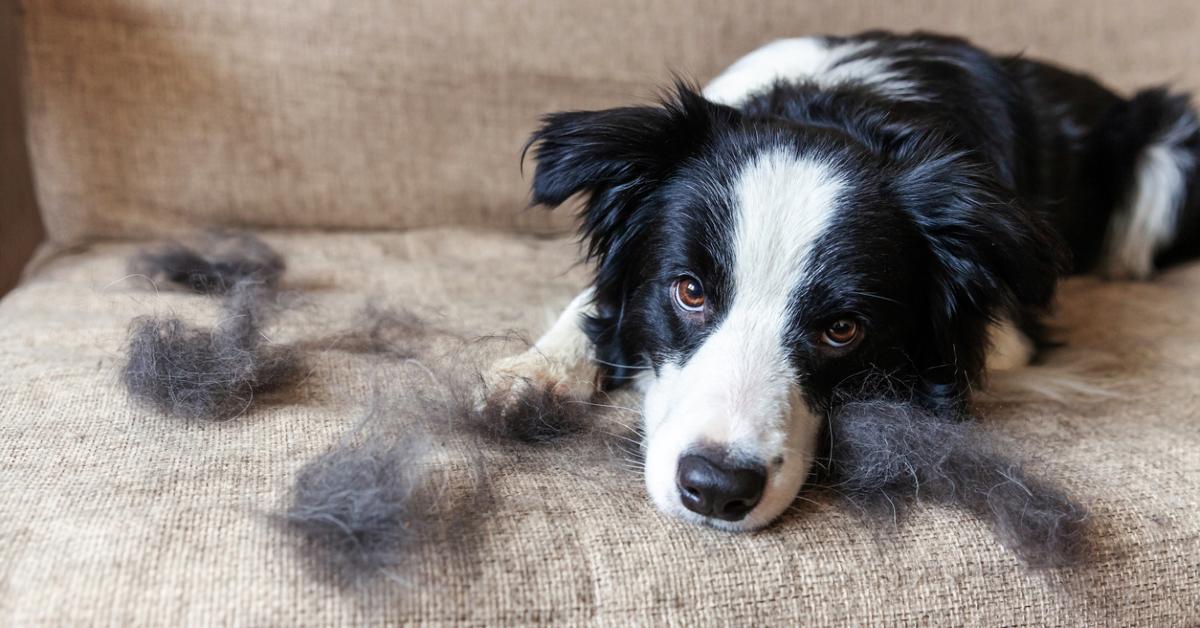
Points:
213	374
362	508
884	452
227	260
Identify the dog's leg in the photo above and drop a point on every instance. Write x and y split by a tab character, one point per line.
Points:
1009	347
562	360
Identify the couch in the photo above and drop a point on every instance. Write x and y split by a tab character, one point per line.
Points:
376	145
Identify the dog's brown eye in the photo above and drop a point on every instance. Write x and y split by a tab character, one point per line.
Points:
689	294
841	333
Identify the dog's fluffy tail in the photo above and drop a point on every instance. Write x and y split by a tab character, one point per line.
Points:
1067	377
1157	222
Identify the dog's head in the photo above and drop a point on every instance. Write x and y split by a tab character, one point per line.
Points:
760	269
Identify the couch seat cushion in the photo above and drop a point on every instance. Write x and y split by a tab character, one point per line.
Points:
112	514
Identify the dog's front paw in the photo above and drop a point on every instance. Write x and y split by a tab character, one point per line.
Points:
512	381
532	398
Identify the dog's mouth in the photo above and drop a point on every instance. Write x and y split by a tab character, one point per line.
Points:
740	519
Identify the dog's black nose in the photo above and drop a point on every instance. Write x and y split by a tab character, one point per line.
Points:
714	489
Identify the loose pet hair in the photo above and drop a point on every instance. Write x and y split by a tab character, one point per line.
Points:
830	208
226	260
884	452
366	507
210	373
360	507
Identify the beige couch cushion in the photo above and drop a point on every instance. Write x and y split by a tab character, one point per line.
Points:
151	115
113	515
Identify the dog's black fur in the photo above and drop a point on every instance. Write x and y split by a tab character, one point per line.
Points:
968	205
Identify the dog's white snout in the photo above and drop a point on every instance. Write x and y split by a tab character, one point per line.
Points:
725	454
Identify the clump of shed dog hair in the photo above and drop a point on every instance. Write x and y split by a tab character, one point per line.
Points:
368	506
360	508
365	506
209	373
364	509
220	262
883	452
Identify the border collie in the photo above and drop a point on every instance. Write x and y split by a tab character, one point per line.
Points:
830	209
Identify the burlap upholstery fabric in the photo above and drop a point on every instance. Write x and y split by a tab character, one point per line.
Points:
112	515
150	115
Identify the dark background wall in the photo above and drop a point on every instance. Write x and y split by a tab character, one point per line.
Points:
20	224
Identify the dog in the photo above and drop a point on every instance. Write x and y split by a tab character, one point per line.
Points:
827	210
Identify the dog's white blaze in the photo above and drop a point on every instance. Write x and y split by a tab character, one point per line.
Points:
807	59
739	390
1147	221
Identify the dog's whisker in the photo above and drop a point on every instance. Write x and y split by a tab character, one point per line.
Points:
623	366
603	405
632	441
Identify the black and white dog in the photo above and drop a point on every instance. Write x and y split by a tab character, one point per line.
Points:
833	208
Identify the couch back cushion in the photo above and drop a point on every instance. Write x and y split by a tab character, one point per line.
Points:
151	116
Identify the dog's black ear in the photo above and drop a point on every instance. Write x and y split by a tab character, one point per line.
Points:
988	256
617	157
